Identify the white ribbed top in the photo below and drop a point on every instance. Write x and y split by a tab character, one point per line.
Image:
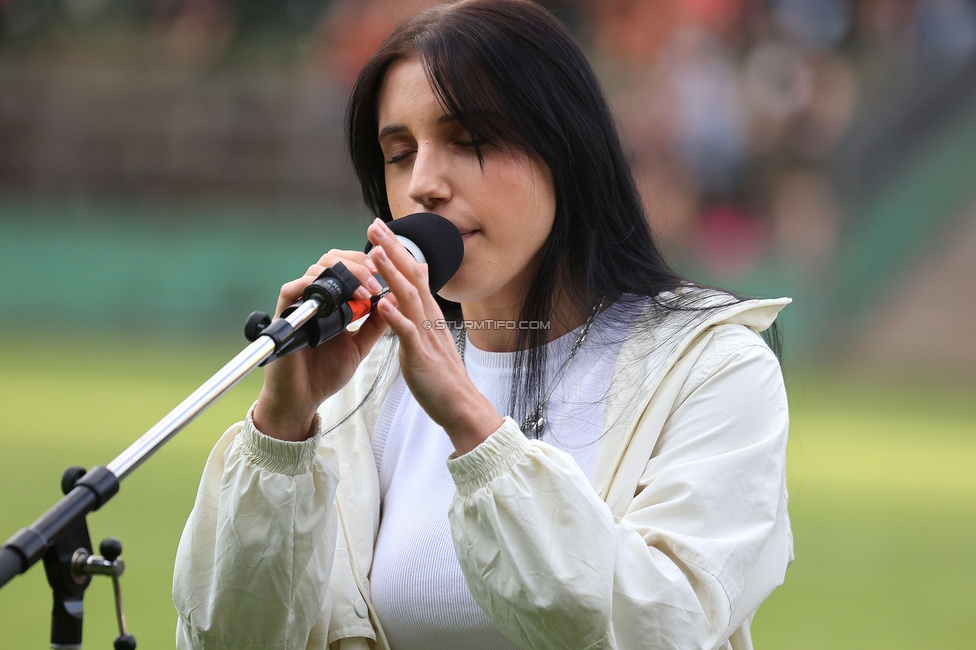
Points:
416	583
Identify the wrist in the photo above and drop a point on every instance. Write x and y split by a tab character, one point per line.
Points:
286	457
472	425
283	424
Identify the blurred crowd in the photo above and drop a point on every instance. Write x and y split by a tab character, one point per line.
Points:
733	110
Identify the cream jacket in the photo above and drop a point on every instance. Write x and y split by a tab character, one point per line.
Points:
680	535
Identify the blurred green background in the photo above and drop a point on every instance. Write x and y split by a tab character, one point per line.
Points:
165	165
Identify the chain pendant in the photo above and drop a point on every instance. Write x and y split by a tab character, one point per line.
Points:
533	424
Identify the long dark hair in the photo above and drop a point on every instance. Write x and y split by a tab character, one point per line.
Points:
513	76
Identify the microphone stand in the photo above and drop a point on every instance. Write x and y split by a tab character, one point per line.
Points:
60	536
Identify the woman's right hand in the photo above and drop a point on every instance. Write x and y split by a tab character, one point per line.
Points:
295	385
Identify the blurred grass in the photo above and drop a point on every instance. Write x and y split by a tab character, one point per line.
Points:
883	494
83	402
883	504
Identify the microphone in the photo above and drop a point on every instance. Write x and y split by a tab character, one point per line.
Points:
430	238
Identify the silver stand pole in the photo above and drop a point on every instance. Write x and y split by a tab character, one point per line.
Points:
93	489
198	401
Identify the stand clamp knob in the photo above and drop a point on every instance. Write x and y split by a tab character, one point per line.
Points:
107	564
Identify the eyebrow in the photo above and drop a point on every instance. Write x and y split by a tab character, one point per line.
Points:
397	127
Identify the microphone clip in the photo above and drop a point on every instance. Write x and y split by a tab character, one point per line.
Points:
332	291
332	288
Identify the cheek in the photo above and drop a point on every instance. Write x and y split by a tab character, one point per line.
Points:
394	195
531	194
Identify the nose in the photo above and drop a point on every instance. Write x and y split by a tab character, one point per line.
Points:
429	179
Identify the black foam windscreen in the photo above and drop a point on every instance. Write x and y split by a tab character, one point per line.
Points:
437	239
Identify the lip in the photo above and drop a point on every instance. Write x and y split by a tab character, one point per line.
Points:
465	236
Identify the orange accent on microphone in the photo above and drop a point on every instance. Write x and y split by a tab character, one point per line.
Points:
360	308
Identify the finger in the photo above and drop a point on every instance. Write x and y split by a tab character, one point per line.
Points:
427	339
291	292
408	293
337	254
417	273
381	236
356	263
369	333
403	327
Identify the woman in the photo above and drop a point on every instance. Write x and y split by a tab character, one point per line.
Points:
614	472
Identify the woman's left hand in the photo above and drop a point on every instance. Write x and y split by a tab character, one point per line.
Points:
429	361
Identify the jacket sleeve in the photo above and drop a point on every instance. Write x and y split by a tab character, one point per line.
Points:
703	542
256	553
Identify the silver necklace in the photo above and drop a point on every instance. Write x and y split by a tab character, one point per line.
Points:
535	421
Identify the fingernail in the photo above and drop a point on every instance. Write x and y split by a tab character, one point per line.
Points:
373	285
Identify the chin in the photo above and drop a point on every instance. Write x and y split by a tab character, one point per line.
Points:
458	289
447	292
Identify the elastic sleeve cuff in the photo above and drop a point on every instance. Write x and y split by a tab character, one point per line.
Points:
278	456
492	458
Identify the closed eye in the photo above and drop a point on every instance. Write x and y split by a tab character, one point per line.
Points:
395	158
